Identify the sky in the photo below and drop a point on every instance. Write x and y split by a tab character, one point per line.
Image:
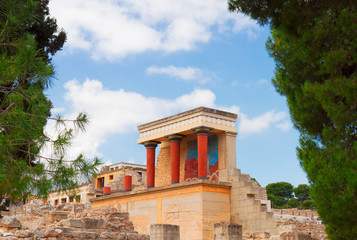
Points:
129	62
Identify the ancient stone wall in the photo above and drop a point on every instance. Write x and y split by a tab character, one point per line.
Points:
247	207
88	223
296	212
163	166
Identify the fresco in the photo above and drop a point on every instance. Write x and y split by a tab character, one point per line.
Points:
191	162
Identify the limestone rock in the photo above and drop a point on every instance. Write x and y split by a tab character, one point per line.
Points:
10	222
53	233
90	223
73	223
84	235
39	234
23	234
37	202
57	215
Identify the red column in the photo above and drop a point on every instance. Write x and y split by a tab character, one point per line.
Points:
150	163
127	183
175	157
202	140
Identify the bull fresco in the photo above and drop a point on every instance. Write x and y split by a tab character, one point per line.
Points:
191	162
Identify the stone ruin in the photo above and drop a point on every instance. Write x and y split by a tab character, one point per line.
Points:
196	193
67	221
77	221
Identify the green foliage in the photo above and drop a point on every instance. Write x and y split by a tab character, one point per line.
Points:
293	203
314	46
277	202
302	192
307	204
280	189
25	72
280	194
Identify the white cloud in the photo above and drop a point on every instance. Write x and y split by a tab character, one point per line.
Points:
262	81
186	74
263	122
285	126
119	112
115	29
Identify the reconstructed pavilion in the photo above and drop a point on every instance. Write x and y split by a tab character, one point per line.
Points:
194	182
201	143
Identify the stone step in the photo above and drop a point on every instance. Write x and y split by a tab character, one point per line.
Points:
244	177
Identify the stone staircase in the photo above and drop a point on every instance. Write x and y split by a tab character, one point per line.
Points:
250	206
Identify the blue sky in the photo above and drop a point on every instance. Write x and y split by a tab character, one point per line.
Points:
129	62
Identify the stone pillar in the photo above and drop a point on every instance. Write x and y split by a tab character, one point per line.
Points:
227	231
175	157
202	140
150	163
164	232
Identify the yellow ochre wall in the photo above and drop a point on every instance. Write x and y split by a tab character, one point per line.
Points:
106	177
195	207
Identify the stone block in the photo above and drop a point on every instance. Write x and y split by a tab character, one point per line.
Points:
90	223
73	223
164	232
55	233
10	222
121	215
39	234
57	215
23	234
84	235
227	231
66	230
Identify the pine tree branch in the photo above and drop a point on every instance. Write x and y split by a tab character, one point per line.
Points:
8	109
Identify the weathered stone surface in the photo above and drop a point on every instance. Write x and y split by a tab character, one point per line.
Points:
10	222
10	237
128	225
73	223
164	232
37	202
84	235
264	235
113	235
90	223
121	215
23	233
57	215
296	236
39	234
66	230
53	233
227	231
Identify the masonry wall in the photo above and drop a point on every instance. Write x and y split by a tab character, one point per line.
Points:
163	166
194	207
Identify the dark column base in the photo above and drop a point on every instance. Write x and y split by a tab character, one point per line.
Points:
173	182
202	177
150	186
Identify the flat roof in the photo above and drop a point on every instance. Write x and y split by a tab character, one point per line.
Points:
183	123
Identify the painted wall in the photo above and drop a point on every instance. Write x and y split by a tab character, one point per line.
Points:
191	162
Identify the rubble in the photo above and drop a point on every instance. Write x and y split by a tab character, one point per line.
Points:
68	221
